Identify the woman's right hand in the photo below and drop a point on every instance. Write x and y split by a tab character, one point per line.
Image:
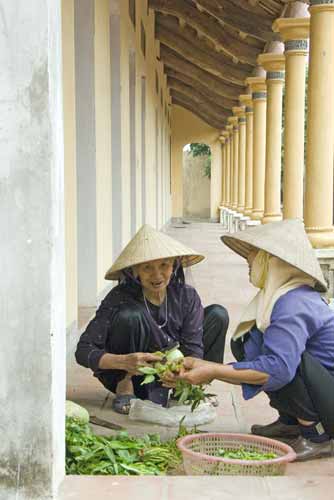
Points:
131	362
127	362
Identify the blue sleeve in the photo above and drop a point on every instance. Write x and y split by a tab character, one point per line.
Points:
191	339
284	341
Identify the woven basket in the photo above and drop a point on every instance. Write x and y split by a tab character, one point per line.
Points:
198	451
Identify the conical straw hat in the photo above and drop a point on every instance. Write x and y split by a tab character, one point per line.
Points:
286	239
150	244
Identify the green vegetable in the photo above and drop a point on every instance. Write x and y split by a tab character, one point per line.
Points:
245	454
76	411
122	454
172	361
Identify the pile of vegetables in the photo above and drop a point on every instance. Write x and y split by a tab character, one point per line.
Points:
87	453
184	392
245	454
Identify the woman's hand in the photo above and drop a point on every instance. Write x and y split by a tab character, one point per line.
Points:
195	371
131	362
127	362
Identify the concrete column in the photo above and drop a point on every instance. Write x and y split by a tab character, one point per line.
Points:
259	97
320	127
231	183
240	112
246	99
273	63
294	32
226	134
223	166
32	353
233	120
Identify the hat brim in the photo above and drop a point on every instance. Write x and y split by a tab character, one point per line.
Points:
186	261
243	249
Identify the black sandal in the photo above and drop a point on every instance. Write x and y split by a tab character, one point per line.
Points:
121	403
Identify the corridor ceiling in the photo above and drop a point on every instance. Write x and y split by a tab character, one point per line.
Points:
209	48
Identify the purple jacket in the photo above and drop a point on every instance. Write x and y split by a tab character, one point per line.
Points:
300	321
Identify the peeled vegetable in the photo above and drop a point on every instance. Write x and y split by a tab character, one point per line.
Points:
73	410
174	355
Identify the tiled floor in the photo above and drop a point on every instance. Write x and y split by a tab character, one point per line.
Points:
222	278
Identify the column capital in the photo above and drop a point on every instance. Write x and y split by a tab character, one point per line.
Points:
239	111
245	99
233	120
257	84
222	139
229	128
272	62
322	4
293	29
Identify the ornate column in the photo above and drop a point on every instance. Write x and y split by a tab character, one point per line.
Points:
226	135
223	166
320	126
246	99
294	29
230	130
259	97
240	113
233	120
273	63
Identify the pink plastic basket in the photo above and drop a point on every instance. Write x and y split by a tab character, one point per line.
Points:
198	451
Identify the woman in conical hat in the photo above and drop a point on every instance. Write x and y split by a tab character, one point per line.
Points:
151	309
284	342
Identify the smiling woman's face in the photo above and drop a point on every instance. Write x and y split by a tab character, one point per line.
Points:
155	274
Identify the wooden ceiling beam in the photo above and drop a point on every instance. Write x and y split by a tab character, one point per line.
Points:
178	63
238	18
197	96
184	103
237	49
224	102
210	61
203	105
248	6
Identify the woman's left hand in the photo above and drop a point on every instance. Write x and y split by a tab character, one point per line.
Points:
195	371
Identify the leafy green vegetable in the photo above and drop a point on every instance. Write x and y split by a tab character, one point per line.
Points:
184	392
122	454
245	454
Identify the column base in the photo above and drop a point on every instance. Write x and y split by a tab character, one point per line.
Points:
241	209
248	211
267	218
252	223
321	238
257	215
243	222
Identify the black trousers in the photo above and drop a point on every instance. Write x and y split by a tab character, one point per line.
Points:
309	396
132	334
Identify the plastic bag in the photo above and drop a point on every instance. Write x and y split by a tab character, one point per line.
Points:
146	411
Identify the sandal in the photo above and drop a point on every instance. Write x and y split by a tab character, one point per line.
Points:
121	403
